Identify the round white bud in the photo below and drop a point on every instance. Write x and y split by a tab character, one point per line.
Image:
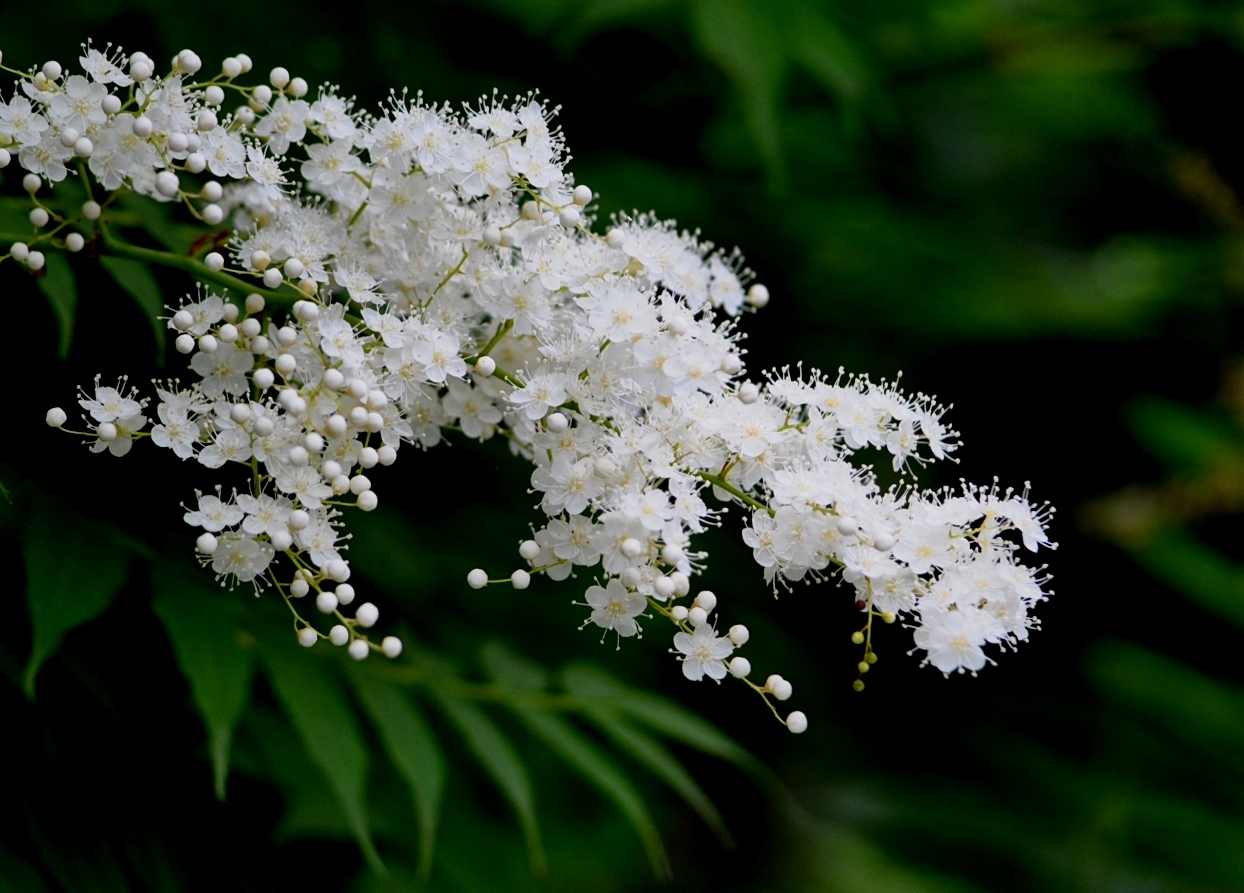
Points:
213	214
339	635
883	542
307	637
679	612
359	649
107	432
485	366
491	236
298	456
167	184
847	526
31	183
184	343
142	127
263	425
263	378
208	343
631	547
345	593
358	416
51	70
20	252
293	269
369	457
507	238
520	579
556	422
682	583
391	646
738	634
36	260
91	210
749	393
307	311
213	95
300	587
261	96
330	469
740	667
196	164
240	413
286	363
39	217
757	295
528	550
337	570
75	242
205	120
477	579
336	426
245	61
697	616
531	211
326	602
386	454
569	217
206	543
367	501
299	519
334	379
177	141
672	554
358	388
281	539
55	417
231	67
797	722
664	587
706	600
182	320
83	147
731	364
141	69
212	191
68	137
286	335
298	87
272	277
367	615
111	104
278	77
781	689
615	238
214	261
629	577
582	195
189	61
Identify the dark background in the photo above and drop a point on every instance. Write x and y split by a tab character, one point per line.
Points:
1027	208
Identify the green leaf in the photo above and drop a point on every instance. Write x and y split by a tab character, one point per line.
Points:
328	729
741	40
60	288
658	760
137	281
210	654
1198	572
16	875
1204	713
661	714
494	751
74	569
413	748
601	772
1183	436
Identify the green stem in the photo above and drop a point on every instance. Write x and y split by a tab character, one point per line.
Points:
719	481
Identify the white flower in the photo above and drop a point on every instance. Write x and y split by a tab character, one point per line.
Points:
703	653
615	607
242	557
214	514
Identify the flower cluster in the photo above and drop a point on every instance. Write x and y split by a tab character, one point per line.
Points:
441	272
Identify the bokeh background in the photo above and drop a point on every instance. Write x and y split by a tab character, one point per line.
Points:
1027	208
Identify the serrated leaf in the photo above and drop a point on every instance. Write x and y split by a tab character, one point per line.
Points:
603	774
137	281
412	747
658	760
210	655
61	289
73	571
495	753
321	715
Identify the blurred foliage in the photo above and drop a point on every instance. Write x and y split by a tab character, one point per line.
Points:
1031	207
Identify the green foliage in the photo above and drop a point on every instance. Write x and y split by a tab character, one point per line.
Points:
215	656
138	282
61	290
73	570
